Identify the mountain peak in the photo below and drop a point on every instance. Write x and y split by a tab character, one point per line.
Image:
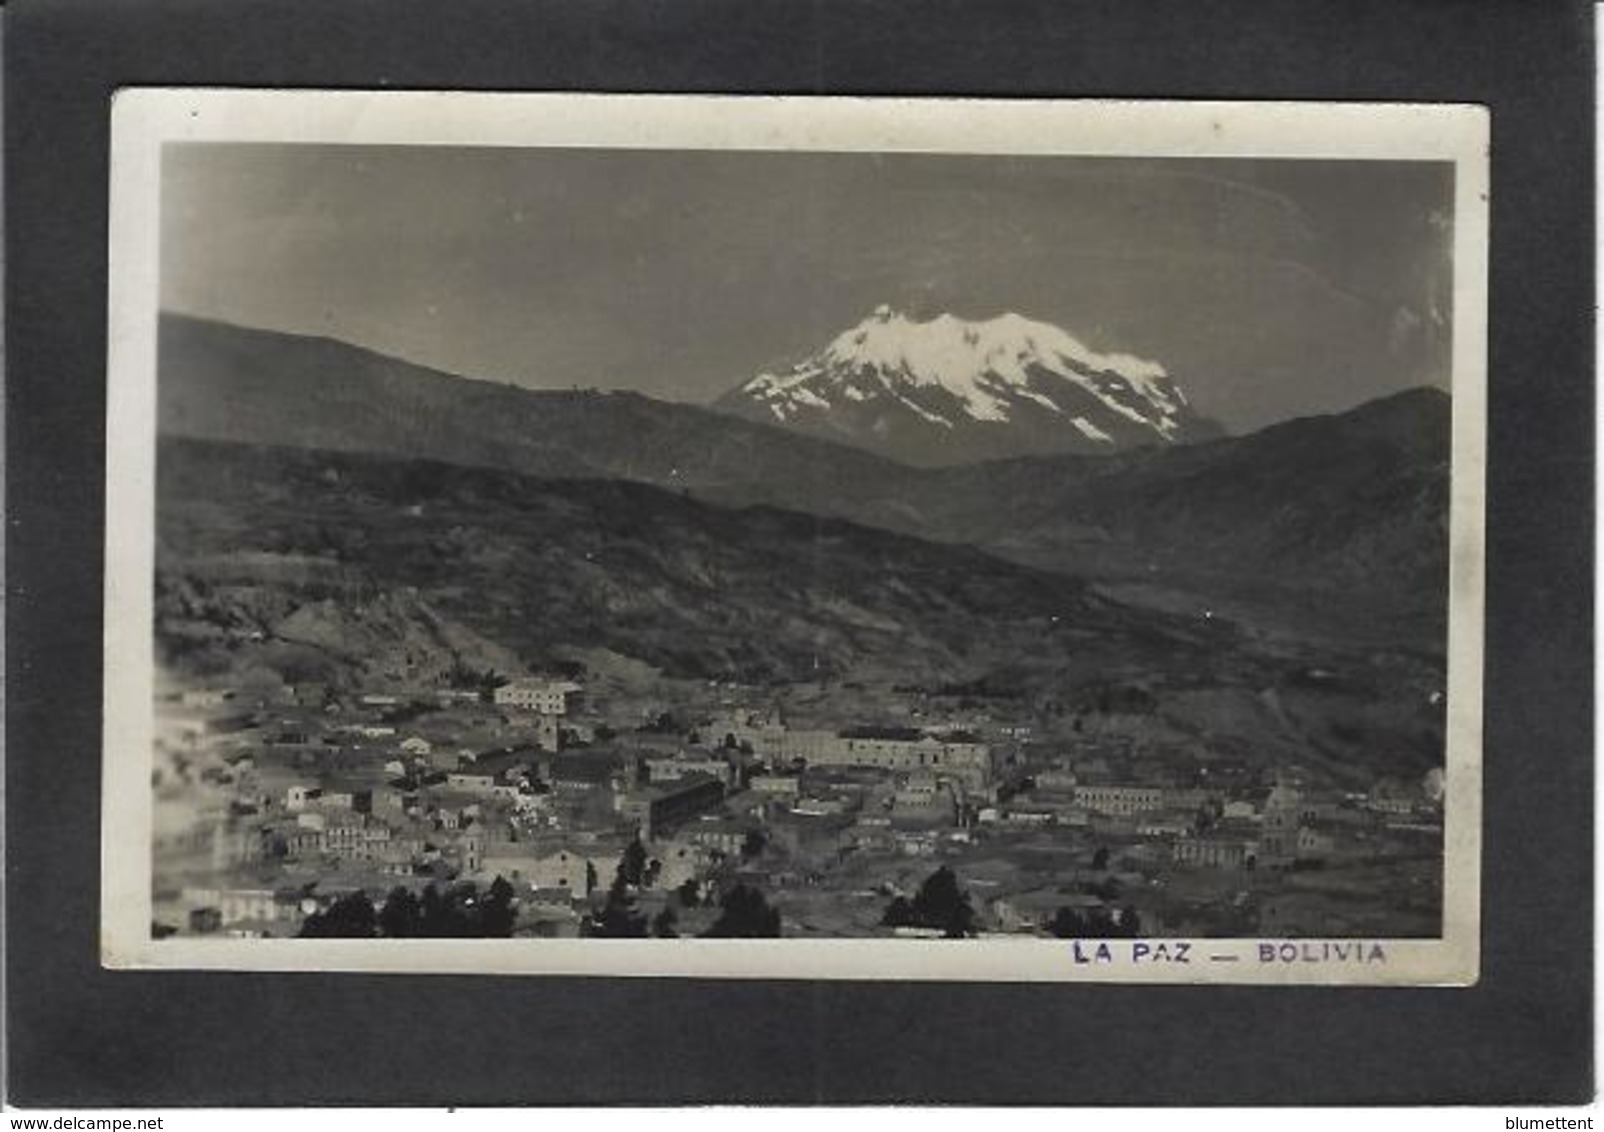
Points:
1008	385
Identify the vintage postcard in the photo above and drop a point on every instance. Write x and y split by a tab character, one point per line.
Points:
795	537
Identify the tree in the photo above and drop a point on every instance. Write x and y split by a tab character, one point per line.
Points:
745	914
1130	923
940	903
402	915
899	913
349	917
1067	924
498	913
436	918
690	893
450	914
619	917
460	902
663	924
457	913
632	865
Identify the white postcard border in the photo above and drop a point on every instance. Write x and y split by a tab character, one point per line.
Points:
145	119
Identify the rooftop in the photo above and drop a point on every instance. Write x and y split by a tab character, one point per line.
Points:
542	684
898	734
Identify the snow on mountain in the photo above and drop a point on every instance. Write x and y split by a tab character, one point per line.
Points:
950	390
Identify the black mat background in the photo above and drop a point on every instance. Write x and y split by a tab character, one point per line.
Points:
82	1036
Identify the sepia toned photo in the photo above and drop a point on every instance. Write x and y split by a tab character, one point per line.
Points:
798	537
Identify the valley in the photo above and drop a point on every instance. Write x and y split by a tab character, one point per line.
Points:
643	667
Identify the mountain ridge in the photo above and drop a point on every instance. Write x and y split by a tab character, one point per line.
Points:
530	563
1345	509
222	382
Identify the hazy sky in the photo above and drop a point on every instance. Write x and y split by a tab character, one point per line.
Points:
1268	288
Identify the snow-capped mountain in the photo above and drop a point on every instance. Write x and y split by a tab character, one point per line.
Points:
950	391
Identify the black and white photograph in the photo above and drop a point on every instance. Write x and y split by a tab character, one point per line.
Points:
864	538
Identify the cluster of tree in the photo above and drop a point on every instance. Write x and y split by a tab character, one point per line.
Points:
567	668
620	916
940	904
458	912
462	677
744	914
743	911
1096	923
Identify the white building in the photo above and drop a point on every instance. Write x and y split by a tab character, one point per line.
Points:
548	697
300	795
239	905
1120	800
528	864
676	767
472	783
899	749
777	785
